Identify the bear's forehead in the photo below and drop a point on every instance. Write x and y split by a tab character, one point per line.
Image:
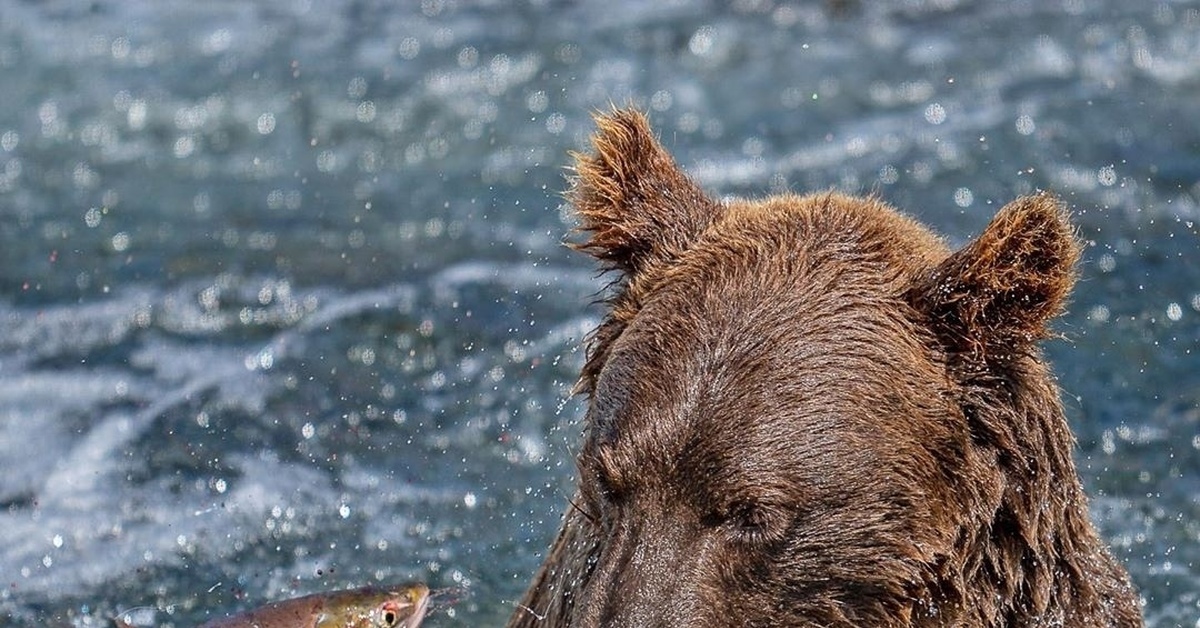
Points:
840	231
804	269
790	309
727	345
721	362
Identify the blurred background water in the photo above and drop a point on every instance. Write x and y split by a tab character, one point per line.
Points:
284	305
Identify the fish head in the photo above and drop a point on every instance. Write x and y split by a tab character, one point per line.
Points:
406	609
398	606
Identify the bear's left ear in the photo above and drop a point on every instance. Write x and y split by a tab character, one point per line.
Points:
635	205
994	297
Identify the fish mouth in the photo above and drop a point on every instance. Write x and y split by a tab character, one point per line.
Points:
418	613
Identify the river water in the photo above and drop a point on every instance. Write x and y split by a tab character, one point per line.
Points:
284	304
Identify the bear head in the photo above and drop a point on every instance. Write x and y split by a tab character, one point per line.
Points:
809	411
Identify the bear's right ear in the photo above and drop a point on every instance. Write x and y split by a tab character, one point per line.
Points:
636	206
995	297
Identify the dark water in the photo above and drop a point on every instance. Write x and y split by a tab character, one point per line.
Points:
284	306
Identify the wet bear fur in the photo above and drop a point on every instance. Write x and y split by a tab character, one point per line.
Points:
808	411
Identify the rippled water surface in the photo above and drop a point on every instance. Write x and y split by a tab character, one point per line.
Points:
284	305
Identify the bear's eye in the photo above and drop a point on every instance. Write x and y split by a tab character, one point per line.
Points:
748	522
597	494
607	492
601	476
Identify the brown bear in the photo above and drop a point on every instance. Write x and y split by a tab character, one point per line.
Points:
808	411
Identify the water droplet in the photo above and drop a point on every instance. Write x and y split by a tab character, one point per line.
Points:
889	175
365	111
1099	314
120	242
120	48
701	42
184	146
661	100
136	115
409	48
265	123
357	88
48	112
935	113
537	101
1025	125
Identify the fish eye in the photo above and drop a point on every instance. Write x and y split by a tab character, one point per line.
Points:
389	614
